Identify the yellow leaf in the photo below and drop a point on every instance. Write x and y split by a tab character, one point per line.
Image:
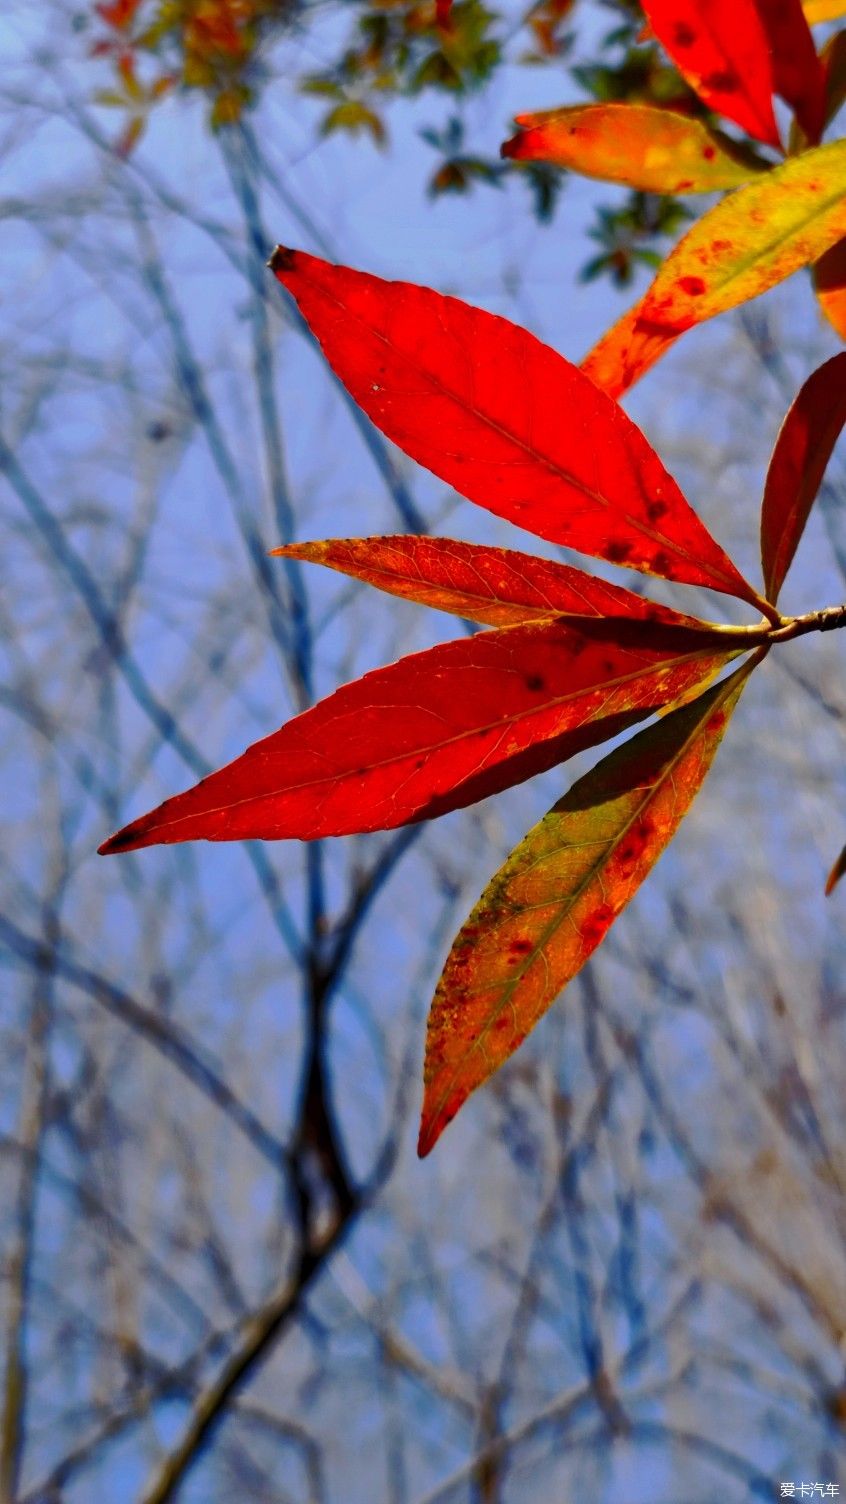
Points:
746	244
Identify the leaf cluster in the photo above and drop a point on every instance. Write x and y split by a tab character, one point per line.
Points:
568	660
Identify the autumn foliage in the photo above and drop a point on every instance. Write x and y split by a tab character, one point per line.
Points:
568	660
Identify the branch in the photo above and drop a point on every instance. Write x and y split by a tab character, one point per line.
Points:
165	1036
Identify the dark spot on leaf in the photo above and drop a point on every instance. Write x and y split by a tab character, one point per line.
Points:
520	947
661	562
631	849
656	509
683	35
709	153
720	245
692	285
595	925
618	550
535	681
722	83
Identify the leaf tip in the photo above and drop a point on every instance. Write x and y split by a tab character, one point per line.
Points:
127	839
513	146
431	1128
282	260
835	874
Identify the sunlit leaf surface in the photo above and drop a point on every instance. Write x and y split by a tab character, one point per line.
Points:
659	151
720	47
746	244
437	731
504	419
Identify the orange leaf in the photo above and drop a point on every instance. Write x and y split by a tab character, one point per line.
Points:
627	351
829	275
751	240
496	586
553	901
802	451
658	151
720	47
504	419
438	730
823	10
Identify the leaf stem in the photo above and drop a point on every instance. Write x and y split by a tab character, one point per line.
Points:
783	628
828	620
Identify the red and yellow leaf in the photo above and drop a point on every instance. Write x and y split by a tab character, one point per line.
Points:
553	901
798	72
497	586
507	421
802	451
439	730
746	244
720	47
658	151
830	286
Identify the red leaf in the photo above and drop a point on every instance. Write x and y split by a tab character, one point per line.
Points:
496	586
802	451
720	47
438	730
557	895
798	73
504	419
